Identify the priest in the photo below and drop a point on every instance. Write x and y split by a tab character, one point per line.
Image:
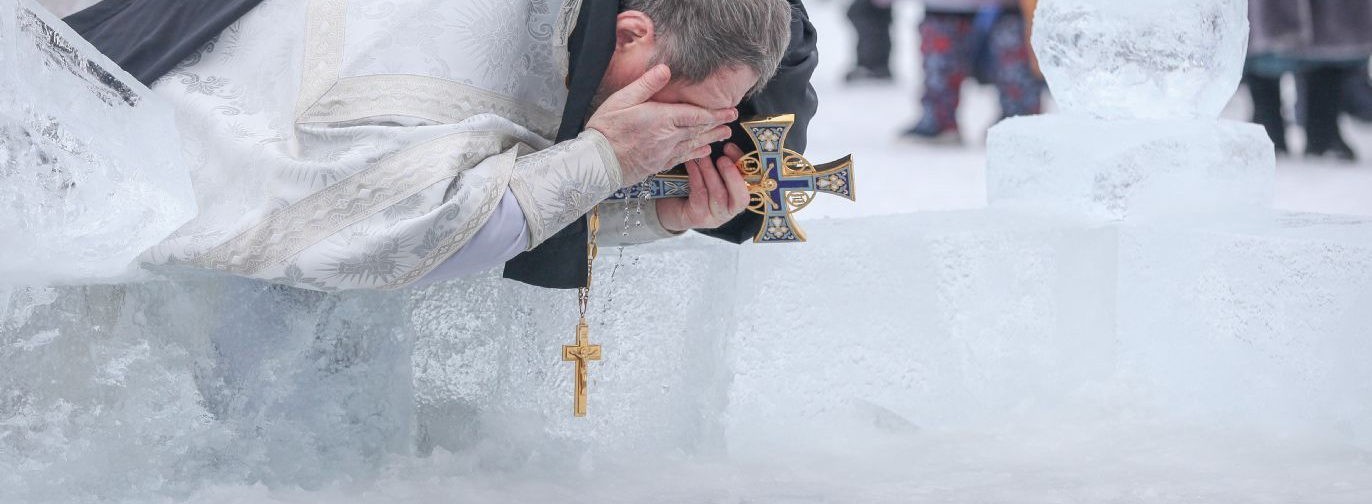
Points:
347	144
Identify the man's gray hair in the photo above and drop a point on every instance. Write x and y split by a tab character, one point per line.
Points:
696	38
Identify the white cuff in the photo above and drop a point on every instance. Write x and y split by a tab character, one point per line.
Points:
560	184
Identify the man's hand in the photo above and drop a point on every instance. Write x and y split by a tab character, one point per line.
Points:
718	194
649	137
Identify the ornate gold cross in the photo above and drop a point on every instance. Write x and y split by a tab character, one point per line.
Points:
780	180
783	182
581	352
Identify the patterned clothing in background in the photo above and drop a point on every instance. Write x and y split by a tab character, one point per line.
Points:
965	6
991	47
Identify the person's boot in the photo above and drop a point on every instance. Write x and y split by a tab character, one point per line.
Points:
928	133
860	75
1338	150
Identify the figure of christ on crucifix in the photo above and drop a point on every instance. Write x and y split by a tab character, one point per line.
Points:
580	353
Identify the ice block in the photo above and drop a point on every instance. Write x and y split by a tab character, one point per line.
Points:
91	170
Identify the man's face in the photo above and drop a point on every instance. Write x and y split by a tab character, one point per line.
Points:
635	49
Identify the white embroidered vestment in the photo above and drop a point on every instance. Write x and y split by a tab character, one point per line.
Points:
340	144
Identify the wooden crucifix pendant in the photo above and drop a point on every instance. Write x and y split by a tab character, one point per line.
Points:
581	352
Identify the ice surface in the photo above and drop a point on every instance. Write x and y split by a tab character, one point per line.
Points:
956	360
1130	168
488	368
1253	322
954	321
160	389
1163	59
91	173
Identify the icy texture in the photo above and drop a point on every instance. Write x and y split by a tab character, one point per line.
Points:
978	356
955	321
488	367
1166	59
983	318
1129	169
1262	322
90	160
160	389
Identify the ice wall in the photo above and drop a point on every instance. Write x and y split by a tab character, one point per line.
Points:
1128	271
987	321
487	376
159	389
1130	169
1260	323
958	319
91	173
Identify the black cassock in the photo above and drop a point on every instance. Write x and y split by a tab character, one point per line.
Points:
148	38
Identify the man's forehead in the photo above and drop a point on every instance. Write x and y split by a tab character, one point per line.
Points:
723	89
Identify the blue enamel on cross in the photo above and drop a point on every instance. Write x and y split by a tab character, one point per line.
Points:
781	181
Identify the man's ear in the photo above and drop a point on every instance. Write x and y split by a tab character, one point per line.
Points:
634	27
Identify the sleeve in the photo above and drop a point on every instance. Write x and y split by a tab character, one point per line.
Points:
504	236
402	224
512	229
789	92
558	185
631	223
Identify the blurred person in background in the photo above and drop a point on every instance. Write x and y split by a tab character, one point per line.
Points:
872	21
984	39
1324	43
1357	94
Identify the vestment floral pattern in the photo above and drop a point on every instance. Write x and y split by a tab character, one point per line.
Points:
369	143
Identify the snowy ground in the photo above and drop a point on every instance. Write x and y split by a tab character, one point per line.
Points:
946	468
1111	455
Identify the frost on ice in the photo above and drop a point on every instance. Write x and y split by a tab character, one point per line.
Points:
1142	84
91	173
1144	59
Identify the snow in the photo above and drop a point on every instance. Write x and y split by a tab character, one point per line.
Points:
921	348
